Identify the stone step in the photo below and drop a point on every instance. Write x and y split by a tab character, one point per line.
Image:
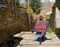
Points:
28	40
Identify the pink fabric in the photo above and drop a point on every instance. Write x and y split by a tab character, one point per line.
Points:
41	26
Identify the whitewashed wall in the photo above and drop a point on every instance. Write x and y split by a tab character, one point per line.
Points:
57	18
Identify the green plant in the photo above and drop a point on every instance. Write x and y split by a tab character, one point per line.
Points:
50	30
35	5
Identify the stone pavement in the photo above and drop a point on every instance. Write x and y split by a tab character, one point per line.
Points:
28	40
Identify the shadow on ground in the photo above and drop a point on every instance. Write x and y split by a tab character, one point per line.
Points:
13	42
17	41
44	39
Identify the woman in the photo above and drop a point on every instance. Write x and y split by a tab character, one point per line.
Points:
40	28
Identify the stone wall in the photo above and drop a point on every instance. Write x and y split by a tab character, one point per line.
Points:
12	20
